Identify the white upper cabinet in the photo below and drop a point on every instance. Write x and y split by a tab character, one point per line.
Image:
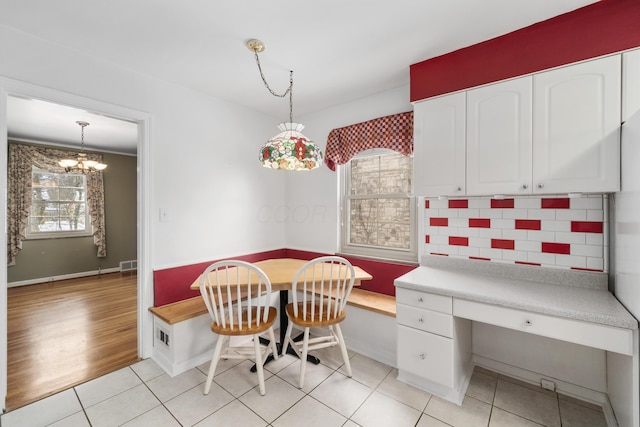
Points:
576	128
439	146
499	138
630	84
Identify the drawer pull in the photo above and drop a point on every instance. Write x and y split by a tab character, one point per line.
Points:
421	320
422	356
528	322
420	299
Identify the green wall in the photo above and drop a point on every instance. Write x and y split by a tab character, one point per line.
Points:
55	257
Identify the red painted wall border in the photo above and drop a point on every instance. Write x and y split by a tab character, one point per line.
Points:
601	28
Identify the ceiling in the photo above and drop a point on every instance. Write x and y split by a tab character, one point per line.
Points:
339	50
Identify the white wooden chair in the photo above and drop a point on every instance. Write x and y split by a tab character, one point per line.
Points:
238	295
319	290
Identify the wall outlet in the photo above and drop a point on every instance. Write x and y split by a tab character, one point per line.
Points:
547	384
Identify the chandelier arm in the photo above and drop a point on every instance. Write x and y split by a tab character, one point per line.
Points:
264	80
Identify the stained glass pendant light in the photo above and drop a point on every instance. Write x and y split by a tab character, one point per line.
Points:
289	149
81	164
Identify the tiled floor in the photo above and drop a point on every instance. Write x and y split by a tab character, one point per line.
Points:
143	395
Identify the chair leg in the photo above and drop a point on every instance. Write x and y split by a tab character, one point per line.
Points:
259	363
214	362
303	357
287	340
343	349
273	345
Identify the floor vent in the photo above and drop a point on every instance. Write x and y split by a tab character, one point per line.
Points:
128	265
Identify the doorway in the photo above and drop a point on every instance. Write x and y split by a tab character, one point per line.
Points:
11	88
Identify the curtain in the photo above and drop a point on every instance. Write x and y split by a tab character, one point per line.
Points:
394	132
21	159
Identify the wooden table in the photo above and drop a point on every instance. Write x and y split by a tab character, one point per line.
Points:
280	272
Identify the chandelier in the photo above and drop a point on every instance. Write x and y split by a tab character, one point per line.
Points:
81	164
289	149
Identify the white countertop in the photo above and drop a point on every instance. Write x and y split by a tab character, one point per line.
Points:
533	289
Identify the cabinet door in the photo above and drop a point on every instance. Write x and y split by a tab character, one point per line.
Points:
439	146
499	138
576	128
630	84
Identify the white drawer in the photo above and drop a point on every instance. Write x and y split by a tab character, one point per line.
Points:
595	335
426	355
426	320
419	299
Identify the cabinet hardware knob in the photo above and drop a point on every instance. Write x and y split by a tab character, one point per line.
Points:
540	185
525	186
459	188
528	322
422	356
421	320
420	299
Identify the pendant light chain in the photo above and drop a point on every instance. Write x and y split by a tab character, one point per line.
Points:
289	90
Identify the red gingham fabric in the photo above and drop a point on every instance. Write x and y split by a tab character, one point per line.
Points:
394	132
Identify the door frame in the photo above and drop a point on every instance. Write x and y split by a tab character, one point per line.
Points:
10	87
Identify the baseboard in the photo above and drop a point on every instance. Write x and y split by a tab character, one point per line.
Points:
563	387
62	277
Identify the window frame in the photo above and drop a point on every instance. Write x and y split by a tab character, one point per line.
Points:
369	251
87	232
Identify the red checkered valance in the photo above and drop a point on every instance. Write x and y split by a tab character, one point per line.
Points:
394	132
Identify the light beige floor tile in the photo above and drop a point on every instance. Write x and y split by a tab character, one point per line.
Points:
380	410
403	392
79	419
122	408
482	386
574	415
366	370
341	393
485	371
314	375
350	423
157	417
428	421
471	413
166	387
331	356
239	379
534	387
527	403
235	414
276	366
193	405
500	418
309	412
107	386
223	365
280	396
43	412
147	369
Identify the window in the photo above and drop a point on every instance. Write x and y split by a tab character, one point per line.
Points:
58	205
378	213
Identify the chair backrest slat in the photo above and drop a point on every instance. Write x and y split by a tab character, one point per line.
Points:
322	286
236	294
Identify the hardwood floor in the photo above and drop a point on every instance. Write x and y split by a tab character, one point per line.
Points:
61	334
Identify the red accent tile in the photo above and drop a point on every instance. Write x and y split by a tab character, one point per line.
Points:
556	248
427	238
529	263
528	224
555	203
458	241
502	244
479	258
586	269
426	204
438	222
439	254
459	204
586	226
479	222
501	203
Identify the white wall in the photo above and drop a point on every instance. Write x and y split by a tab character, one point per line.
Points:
312	209
201	154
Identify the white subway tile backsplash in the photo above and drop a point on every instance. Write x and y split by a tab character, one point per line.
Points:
575	230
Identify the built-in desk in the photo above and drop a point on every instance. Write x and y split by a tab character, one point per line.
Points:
436	305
